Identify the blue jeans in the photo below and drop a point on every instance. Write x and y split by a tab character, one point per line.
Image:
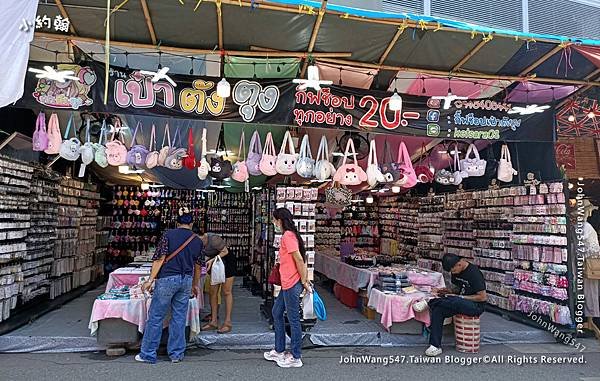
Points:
442	308
288	301
174	292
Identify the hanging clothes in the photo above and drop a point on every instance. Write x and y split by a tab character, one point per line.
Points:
17	26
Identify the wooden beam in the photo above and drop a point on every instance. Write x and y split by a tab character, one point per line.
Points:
473	51
64	14
219	23
192	51
390	46
428	147
313	35
542	59
149	21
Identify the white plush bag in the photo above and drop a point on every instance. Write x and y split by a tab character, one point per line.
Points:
323	168
306	164
203	167
475	166
374	175
69	148
286	162
505	167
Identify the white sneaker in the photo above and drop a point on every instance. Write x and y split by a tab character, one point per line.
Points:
139	358
290	362
433	351
273	355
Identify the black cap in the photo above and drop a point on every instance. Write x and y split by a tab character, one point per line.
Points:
449	260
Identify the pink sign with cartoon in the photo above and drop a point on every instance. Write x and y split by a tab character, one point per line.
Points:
70	94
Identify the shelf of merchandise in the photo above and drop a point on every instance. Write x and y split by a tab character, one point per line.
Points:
388	211
458	224
492	229
75	248
360	227
15	223
430	247
262	207
37	263
329	229
539	246
136	224
230	216
408	227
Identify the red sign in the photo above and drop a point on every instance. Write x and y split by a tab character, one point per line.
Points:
565	155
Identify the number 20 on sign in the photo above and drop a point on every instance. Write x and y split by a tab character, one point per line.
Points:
377	113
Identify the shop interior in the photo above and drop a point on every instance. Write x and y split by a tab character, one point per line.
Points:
81	226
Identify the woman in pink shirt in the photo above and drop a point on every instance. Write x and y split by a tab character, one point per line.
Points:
292	268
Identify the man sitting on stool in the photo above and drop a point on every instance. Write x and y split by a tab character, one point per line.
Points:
466	297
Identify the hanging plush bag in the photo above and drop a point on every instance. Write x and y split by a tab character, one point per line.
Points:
323	167
152	157
165	149
54	136
473	166
491	167
40	135
337	196
69	148
99	149
425	173
445	176
505	167
175	157
190	160
254	155
203	166
136	157
86	151
408	178
389	168
220	168
240	170
286	162
306	164
374	175
350	174
116	151
269	157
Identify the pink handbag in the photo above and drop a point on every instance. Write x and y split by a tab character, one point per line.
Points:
40	135
269	157
54	136
350	174
116	150
240	170
408	177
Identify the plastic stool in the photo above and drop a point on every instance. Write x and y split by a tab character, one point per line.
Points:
467	333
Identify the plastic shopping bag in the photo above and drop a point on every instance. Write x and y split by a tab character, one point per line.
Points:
217	273
318	306
308	311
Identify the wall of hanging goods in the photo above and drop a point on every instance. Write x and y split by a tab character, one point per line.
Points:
49	242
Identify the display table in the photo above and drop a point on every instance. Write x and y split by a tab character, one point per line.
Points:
397	308
126	276
135	311
356	278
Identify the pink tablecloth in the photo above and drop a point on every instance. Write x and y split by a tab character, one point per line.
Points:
356	278
397	308
126	277
135	311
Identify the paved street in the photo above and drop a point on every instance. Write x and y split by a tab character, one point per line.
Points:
320	364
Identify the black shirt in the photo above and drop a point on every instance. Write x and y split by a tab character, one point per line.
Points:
470	281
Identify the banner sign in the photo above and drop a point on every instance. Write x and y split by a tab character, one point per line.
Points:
280	102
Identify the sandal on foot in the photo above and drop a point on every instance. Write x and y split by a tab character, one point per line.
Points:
225	328
209	327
